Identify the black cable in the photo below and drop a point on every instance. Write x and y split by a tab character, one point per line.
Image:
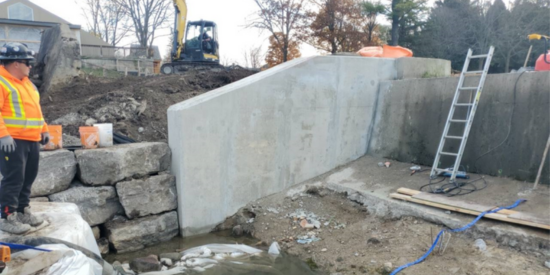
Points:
509	125
452	189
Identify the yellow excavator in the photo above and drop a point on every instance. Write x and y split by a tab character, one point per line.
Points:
195	44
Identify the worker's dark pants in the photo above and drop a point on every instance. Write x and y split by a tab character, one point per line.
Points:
19	170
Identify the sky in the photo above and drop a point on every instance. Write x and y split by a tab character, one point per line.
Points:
230	16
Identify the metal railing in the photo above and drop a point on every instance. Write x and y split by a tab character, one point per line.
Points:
95	51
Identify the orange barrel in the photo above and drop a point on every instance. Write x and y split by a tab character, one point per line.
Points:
56	137
89	137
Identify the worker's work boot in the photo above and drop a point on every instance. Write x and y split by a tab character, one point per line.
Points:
29	218
12	225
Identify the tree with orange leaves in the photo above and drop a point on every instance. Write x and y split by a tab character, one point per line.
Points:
275	54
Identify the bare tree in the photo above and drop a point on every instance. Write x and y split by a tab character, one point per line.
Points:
147	16
281	18
253	57
106	19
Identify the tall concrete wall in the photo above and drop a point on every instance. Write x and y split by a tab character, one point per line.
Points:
283	126
412	115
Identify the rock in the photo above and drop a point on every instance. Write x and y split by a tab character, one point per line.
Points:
69	119
97	204
58	58
40	199
133	235
547	264
103	245
146	264
237	231
166	261
90	122
388	267
144	197
174	256
140	129
373	240
69	140
113	164
57	170
96	232
324	250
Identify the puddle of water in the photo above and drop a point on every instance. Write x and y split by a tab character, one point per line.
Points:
263	264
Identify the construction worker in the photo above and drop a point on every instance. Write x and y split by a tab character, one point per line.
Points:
22	128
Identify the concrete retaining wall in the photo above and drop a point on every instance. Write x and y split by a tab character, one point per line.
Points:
119	64
277	128
412	115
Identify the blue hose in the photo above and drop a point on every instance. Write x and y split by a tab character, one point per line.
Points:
397	270
22	247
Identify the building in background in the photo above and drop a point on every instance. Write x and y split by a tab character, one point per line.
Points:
23	21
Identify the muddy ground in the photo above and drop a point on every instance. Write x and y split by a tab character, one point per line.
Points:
135	105
351	241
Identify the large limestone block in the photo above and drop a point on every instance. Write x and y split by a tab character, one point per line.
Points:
113	164
144	197
56	172
133	235
58	59
97	204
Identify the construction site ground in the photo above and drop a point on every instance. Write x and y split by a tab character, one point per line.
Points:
136	106
362	229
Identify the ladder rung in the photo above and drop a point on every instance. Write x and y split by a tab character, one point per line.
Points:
468	88
442	170
459	120
453	137
464	104
473	72
449	154
479	56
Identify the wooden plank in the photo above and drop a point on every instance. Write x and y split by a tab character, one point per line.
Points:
407	191
453	202
495	216
530	217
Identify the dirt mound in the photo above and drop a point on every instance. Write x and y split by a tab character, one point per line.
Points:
136	106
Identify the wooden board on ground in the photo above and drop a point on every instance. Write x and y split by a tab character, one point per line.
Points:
453	202
505	215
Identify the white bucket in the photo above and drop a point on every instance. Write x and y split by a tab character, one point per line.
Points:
105	134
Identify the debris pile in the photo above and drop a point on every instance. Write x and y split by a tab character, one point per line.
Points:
136	106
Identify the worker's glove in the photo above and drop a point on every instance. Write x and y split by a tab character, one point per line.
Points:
7	144
45	138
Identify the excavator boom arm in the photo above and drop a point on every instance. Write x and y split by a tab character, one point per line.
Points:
179	28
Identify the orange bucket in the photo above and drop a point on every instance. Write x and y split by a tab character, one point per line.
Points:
56	137
89	137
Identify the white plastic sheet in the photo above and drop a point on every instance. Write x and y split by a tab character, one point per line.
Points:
60	261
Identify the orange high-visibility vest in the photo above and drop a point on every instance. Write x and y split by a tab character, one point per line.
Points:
20	112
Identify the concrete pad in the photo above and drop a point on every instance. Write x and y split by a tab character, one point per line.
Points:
277	128
64	223
365	182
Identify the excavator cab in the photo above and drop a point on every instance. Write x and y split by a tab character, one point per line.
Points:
201	42
198	50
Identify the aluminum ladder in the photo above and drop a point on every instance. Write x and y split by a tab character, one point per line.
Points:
472	107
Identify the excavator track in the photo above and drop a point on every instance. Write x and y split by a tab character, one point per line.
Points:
183	67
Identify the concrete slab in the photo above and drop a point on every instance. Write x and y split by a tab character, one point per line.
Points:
64	223
365	182
277	128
